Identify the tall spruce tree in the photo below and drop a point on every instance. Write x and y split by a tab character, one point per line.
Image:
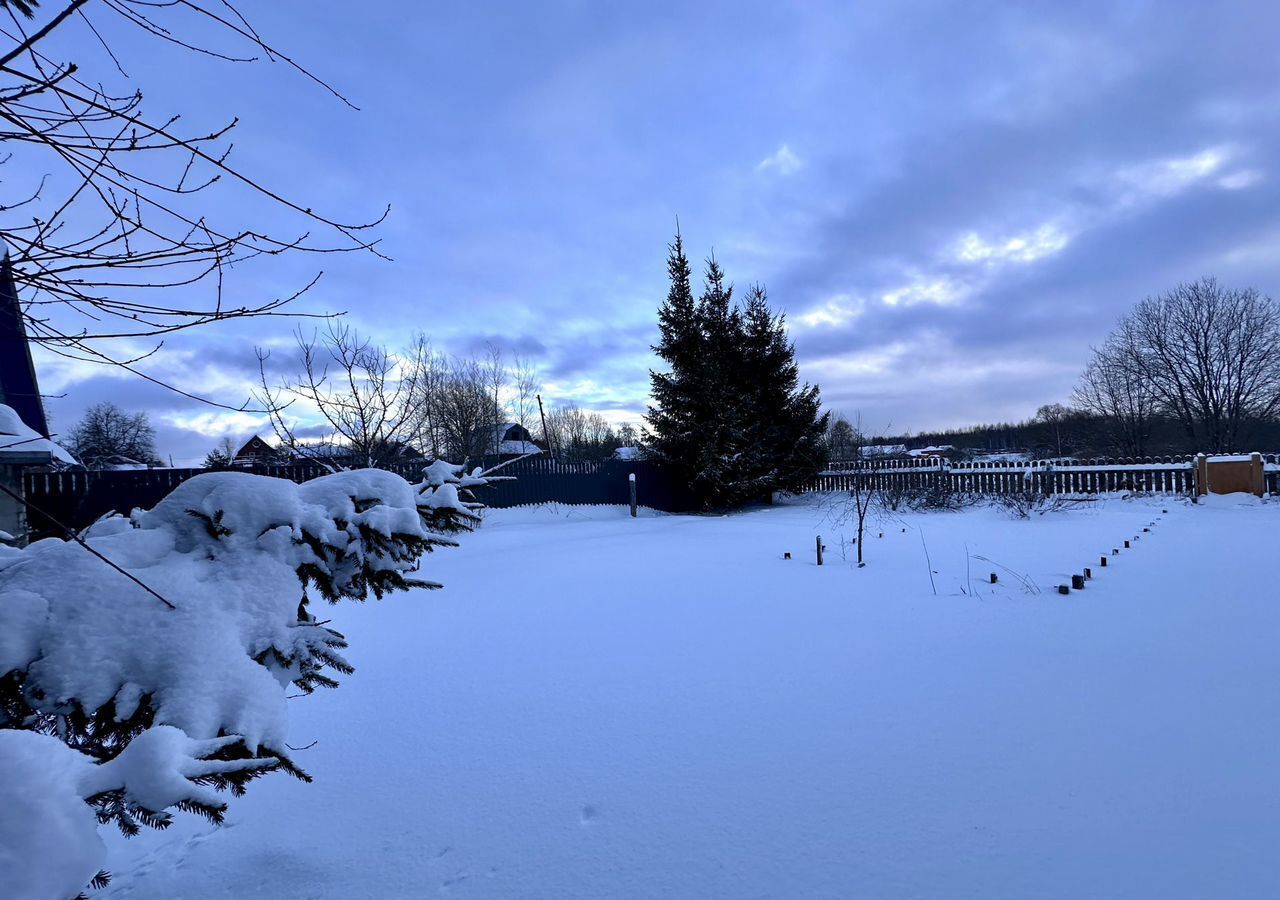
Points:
781	426
730	419
675	421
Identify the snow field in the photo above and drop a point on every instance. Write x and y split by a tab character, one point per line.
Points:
597	706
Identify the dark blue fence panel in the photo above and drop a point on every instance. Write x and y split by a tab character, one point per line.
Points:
78	499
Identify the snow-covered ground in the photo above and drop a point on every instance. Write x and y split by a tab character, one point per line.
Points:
602	707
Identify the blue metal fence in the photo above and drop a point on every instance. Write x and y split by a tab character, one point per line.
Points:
77	498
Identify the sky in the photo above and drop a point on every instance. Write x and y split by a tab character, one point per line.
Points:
951	202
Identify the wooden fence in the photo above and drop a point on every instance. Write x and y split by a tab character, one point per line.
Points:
78	498
1153	475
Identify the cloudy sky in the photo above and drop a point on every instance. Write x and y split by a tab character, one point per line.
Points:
951	201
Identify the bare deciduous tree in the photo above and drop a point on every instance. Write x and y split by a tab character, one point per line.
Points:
526	384
363	393
1210	357
107	431
105	209
842	440
1119	396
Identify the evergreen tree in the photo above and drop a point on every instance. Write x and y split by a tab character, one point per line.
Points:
730	420
677	418
780	421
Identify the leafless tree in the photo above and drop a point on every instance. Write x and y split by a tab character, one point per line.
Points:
222	456
1056	420
495	379
526	384
363	393
466	411
578	434
106	207
628	435
1114	390
865	487
1209	355
107	431
842	440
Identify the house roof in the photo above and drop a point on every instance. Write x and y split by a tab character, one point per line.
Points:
17	437
19	389
255	443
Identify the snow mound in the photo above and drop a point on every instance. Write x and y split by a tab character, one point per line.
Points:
17	436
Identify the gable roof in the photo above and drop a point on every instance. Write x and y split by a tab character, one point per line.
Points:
18	387
255	443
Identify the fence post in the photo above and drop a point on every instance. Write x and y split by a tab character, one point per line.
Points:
631	479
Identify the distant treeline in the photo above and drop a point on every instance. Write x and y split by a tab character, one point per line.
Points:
1196	368
1076	434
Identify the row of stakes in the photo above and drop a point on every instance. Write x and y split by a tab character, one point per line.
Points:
1077	581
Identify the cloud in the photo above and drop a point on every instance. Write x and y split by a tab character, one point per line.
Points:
1240	179
783	161
1024	248
838	311
1165	177
979	196
922	288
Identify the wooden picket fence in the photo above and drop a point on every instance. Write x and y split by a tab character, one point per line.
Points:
78	498
1151	475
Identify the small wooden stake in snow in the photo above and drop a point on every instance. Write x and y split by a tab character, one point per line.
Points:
1077	582
786	555
994	579
1063	589
1126	545
1102	561
818	543
1088	573
632	480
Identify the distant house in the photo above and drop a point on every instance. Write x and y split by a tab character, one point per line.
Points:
882	451
507	440
943	451
256	452
627	453
342	456
118	463
1010	455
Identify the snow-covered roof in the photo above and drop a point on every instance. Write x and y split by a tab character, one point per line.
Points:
521	448
932	451
17	437
627	453
118	463
882	450
1001	455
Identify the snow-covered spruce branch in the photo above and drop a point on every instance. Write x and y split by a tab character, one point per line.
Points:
50	792
88	657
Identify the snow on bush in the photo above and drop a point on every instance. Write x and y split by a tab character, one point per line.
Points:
91	652
49	844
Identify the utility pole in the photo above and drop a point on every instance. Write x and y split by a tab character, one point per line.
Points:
546	435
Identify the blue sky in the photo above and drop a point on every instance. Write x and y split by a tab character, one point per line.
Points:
950	201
